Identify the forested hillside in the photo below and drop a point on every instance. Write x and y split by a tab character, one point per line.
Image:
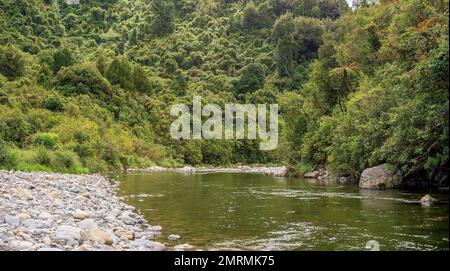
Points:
88	86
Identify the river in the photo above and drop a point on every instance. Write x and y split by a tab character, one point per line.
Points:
241	211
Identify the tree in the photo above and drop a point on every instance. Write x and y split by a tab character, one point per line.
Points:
140	78
252	78
344	73
12	62
62	58
207	7
250	16
83	79
163	21
120	72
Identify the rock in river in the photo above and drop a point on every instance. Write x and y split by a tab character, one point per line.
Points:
427	200
173	237
380	177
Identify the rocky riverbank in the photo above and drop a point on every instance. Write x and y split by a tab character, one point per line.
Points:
53	212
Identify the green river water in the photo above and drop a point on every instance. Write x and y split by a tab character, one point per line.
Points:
240	211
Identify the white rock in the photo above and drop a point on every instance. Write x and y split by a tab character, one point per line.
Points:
12	220
87	224
78	214
54	195
173	237
21	245
183	247
427	200
67	233
100	236
24	194
147	245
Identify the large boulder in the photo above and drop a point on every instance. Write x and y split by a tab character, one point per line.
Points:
381	177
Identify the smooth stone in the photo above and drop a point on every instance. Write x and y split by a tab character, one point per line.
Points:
183	247
427	200
87	224
21	245
54	195
12	220
127	219
126	235
67	233
45	215
155	228
100	236
78	214
148	245
24	194
173	237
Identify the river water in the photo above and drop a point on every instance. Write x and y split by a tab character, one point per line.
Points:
240	211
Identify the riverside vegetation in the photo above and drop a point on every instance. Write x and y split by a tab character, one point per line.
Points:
87	87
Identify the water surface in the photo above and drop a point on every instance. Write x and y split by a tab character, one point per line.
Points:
236	211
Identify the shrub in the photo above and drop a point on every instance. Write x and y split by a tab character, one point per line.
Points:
8	157
43	157
47	140
12	62
54	103
64	159
83	79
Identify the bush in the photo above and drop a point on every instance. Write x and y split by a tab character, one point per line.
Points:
83	79
47	140
43	157
8	157
64	159
54	103
12	62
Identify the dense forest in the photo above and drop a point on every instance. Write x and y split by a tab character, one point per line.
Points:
87	87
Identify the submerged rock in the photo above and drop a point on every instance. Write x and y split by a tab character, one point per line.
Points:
173	237
380	177
427	200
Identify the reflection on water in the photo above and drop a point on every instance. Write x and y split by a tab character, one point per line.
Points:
228	211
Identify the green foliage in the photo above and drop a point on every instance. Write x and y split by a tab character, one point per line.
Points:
120	72
8	158
252	78
250	16
163	21
83	79
12	62
47	140
62	58
54	103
